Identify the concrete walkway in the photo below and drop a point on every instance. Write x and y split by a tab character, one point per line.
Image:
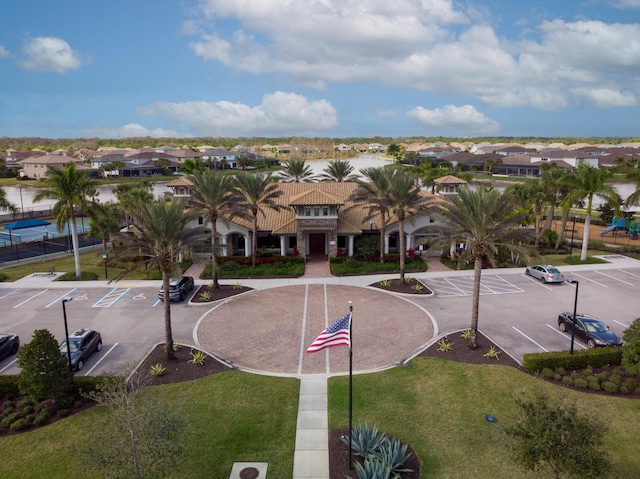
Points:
311	456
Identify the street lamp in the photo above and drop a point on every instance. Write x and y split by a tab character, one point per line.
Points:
104	257
572	233
575	308
371	223
21	203
66	330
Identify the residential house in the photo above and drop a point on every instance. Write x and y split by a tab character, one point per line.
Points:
220	158
36	166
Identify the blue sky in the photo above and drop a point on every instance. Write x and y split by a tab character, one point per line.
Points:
328	68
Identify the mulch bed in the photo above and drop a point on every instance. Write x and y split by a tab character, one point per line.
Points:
339	458
397	286
216	294
179	369
462	353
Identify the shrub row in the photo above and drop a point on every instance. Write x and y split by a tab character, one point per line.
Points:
611	355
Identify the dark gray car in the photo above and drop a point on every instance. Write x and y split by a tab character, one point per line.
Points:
589	329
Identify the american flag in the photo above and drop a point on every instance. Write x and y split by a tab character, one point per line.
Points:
335	335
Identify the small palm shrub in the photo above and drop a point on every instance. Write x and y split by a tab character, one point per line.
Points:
157	370
197	357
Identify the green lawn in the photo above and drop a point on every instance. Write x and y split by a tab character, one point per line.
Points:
435	405
232	417
438	406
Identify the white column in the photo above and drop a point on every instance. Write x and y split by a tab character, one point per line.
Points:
409	242
223	241
350	247
247	245
283	245
386	243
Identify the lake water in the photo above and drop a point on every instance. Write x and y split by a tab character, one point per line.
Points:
23	196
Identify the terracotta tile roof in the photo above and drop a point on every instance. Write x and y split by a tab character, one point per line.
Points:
449	180
315	197
182	181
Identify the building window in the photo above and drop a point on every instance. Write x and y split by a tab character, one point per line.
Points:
200	220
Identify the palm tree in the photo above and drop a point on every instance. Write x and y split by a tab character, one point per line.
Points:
132	194
404	199
591	181
372	191
297	171
530	195
213	195
552	181
487	222
72	189
339	170
6	204
190	166
257	191
106	221
161	236
634	198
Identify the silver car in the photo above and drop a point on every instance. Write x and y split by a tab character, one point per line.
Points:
545	273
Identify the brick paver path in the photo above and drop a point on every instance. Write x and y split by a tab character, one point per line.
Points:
269	330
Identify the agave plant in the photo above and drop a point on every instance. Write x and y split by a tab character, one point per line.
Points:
394	454
365	441
374	468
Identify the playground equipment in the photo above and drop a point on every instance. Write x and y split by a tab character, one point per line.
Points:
621	226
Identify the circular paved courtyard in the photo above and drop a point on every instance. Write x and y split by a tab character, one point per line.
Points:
269	330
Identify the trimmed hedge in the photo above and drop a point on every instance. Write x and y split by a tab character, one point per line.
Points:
611	355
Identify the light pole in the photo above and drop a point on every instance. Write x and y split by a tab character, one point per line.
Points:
104	257
575	308
573	230
371	223
66	330
21	203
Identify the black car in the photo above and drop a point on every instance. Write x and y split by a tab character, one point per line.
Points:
589	329
84	342
9	344
178	288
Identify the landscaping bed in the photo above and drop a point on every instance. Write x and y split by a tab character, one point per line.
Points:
208	294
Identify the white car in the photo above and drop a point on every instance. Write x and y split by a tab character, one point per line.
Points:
546	274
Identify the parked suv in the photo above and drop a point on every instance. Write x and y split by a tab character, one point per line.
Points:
84	342
178	288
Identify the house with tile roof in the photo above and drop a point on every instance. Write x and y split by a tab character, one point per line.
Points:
314	219
36	166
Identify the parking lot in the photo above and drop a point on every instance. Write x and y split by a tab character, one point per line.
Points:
517	312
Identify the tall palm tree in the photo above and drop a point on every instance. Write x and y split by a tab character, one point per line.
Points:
131	194
530	195
552	180
297	171
213	195
190	166
591	181
161	236
339	170
6	204
257	192
404	199
72	189
485	220
634	198
372	191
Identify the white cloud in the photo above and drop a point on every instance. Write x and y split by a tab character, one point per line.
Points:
437	46
279	113
463	120
605	97
4	52
49	54
627	4
132	130
385	113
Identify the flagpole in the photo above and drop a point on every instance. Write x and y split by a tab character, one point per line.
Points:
350	383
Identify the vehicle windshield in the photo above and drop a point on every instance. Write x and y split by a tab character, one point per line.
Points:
595	327
75	345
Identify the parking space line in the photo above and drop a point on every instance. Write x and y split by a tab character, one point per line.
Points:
27	300
100	360
564	335
621	324
111	298
613	277
10	364
66	295
520	332
538	282
9	293
590	280
631	274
